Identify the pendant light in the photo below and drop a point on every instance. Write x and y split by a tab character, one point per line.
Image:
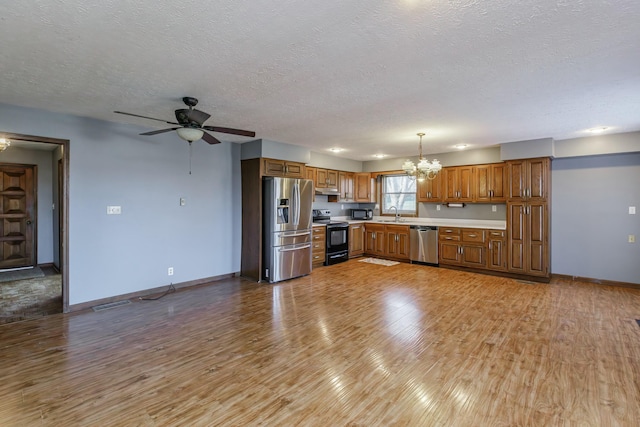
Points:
425	169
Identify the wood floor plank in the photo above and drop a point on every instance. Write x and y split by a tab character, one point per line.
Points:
353	344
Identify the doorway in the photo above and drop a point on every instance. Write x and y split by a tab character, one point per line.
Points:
19	216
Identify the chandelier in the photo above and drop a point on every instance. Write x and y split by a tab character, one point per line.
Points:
425	168
4	144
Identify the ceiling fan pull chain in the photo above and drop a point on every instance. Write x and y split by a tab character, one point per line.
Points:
190	156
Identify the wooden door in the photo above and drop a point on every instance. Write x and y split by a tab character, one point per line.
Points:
497	258
294	170
449	253
363	187
332	179
273	167
465	183
356	240
429	190
537	177
321	178
473	256
404	245
482	183
516	171
450	182
17	216
537	218
498	184
517	240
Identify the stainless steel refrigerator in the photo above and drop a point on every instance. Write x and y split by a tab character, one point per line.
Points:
286	228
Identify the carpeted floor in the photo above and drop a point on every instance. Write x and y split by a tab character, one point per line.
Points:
30	298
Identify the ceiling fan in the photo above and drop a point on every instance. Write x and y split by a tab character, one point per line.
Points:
190	124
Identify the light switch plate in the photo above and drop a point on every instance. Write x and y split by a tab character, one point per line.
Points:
494	208
632	238
183	201
632	210
437	207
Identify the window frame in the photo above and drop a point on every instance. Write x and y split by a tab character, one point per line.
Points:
403	213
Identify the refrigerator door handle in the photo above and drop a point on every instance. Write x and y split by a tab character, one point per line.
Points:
296	203
294	249
306	233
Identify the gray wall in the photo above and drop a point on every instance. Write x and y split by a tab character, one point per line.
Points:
455	158
590	220
111	165
332	162
274	150
43	159
469	211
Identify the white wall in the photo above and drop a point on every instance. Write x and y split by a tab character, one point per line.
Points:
111	165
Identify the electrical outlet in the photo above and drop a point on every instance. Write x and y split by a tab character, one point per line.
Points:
437	207
114	210
183	201
170	271
632	238
632	210
494	208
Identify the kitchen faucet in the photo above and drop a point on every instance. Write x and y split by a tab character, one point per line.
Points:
397	216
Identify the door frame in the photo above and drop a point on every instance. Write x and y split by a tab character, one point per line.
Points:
64	222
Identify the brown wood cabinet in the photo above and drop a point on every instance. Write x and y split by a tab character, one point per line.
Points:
528	224
356	240
397	241
326	178
458	183
364	187
490	183
497	255
387	241
529	179
345	186
473	247
318	245
274	167
430	190
374	240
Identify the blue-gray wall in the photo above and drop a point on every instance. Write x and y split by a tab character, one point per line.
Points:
111	165
590	220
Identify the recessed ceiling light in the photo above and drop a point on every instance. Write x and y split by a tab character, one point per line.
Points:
598	129
379	155
461	146
336	149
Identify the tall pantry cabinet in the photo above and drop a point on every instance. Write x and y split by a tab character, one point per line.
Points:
528	218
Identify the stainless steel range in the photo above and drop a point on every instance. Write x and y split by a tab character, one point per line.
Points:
337	237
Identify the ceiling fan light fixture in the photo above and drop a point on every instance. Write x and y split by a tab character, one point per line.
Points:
190	134
4	144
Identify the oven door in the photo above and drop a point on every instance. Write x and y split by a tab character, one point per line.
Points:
337	238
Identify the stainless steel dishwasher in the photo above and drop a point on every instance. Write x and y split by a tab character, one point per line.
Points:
424	244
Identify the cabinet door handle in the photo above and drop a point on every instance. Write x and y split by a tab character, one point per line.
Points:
429	195
473	235
397	238
448	238
356	227
489	245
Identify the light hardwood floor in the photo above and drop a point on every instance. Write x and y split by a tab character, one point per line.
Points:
353	344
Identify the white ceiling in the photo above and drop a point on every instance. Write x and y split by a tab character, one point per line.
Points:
364	75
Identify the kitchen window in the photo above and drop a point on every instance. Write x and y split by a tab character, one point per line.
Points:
399	191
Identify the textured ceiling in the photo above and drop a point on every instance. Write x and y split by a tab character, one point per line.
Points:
364	75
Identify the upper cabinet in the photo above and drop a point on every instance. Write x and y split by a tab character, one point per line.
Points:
345	186
490	183
364	187
273	167
326	178
529	179
458	183
430	190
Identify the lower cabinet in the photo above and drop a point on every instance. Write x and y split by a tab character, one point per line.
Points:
472	247
388	241
374	240
356	240
318	245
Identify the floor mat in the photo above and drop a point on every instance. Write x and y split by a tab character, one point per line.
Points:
384	262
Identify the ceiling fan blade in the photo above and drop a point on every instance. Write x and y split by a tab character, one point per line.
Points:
210	139
155	132
145	117
230	130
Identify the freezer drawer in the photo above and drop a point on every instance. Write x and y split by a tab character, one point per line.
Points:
287	262
424	244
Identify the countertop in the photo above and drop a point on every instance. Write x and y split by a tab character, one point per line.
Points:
437	222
